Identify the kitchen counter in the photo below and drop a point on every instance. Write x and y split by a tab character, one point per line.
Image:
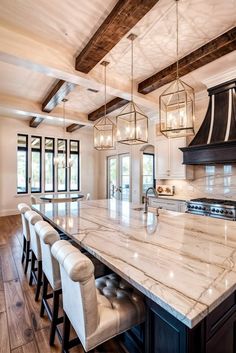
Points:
185	263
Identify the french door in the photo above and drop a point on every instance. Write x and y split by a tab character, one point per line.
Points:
119	176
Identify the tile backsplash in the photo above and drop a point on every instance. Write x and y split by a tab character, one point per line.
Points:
213	181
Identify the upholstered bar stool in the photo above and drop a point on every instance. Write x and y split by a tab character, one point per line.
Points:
51	275
36	257
96	314
23	208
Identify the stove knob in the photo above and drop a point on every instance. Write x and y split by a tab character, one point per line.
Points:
226	212
196	207
213	209
188	206
204	208
217	211
231	213
221	211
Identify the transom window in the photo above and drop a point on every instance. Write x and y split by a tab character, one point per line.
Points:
36	171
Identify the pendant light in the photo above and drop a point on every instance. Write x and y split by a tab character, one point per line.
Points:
60	161
132	123
104	129
177	102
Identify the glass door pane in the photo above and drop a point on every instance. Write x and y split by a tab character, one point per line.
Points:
112	177
125	177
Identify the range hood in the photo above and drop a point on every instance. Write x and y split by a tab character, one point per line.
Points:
215	141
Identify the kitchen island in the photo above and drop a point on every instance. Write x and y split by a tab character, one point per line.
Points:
184	264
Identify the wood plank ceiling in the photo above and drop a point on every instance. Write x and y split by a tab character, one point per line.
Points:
154	26
122	18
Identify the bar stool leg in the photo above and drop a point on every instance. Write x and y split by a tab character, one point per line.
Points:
66	334
27	255
39	281
44	295
32	270
23	249
55	309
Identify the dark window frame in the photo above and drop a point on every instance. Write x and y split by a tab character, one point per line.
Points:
78	154
53	169
26	150
153	167
40	161
58	154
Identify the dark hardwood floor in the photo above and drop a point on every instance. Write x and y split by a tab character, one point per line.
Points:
21	328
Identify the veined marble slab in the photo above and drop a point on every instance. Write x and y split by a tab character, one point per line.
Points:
185	263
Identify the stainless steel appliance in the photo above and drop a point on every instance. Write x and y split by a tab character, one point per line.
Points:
225	209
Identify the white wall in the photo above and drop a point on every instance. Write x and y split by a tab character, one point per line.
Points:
8	147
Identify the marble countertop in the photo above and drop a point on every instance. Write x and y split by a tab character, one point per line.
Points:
183	262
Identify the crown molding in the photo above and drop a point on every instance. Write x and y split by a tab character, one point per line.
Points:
220	78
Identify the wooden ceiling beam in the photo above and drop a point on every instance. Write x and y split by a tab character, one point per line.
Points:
120	21
35	121
114	104
57	94
209	52
74	127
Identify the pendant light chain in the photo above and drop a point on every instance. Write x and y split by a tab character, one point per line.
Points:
105	91
132	70
64	119
177	39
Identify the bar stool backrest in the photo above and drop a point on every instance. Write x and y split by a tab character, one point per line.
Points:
78	289
33	217
23	208
48	236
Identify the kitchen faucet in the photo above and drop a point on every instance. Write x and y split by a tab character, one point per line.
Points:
146	197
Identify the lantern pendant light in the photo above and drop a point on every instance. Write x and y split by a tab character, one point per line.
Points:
104	129
177	102
60	161
132	123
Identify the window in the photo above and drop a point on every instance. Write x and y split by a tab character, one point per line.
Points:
74	161
22	164
36	163
49	169
36	159
61	171
148	171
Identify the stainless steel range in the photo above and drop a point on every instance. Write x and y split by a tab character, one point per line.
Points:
213	208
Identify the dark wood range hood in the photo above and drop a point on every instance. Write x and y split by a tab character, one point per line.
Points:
215	142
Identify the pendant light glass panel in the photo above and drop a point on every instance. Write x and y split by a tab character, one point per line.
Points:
177	110
104	129
176	103
132	126
104	134
132	123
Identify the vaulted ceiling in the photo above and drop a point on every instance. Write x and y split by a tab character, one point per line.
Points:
40	41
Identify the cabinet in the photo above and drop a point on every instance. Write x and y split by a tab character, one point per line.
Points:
169	159
167	204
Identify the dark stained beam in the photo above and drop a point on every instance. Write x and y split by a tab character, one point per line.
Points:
59	92
209	52
74	127
35	121
111	106
120	21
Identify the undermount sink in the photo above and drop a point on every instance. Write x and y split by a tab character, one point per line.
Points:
138	208
150	209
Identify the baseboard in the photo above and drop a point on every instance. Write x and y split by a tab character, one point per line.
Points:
11	212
